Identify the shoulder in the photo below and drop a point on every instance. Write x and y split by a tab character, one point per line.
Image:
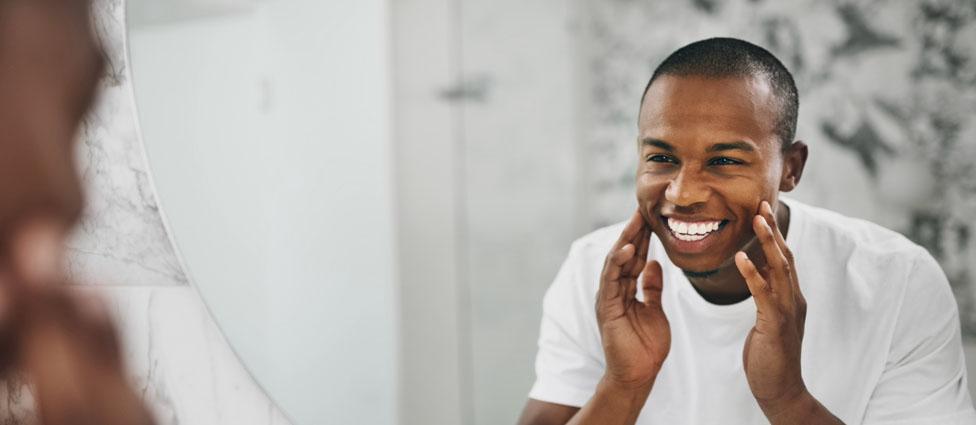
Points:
596	244
854	239
867	263
579	276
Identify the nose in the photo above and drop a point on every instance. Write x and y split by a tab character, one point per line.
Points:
686	188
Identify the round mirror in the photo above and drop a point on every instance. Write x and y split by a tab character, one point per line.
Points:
266	126
373	196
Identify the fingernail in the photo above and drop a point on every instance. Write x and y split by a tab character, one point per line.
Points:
38	252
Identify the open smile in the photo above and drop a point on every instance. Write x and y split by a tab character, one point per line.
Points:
693	236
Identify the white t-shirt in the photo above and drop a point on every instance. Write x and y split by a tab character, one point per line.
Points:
882	343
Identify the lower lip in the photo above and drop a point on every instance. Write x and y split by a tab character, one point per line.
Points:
692	247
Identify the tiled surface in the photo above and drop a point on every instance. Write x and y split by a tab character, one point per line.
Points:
122	238
181	363
178	361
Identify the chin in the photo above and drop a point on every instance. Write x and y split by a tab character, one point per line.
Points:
704	263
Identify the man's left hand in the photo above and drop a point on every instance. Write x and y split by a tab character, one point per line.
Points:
771	355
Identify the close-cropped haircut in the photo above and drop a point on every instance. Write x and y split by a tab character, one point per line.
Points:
730	57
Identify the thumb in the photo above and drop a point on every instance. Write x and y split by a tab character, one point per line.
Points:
652	283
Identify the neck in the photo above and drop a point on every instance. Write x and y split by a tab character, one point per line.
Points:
726	285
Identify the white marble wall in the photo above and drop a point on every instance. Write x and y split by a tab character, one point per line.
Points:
176	354
122	239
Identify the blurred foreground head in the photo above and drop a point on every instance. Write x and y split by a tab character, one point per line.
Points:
50	65
63	342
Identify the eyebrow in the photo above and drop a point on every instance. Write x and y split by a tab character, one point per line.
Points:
650	141
728	146
718	147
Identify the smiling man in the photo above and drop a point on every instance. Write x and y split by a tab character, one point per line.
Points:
718	302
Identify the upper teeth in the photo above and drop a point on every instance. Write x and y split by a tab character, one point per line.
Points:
693	228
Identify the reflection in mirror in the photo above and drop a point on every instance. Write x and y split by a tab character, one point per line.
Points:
272	164
374	197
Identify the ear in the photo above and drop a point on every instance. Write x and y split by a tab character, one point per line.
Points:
794	159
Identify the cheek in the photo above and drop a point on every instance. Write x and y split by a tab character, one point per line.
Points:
649	187
746	193
649	192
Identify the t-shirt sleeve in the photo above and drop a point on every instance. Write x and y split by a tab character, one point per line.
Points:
570	362
924	381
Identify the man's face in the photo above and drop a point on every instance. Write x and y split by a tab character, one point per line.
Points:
709	155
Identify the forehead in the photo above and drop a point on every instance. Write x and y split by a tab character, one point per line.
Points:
692	109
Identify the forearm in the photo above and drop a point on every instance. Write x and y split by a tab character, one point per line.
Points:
613	404
803	409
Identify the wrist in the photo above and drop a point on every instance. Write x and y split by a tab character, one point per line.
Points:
790	409
639	389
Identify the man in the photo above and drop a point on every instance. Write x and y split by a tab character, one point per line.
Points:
63	344
719	332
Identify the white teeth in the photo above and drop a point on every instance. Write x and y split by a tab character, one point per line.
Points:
690	238
692	231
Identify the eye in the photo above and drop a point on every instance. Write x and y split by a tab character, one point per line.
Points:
724	160
662	158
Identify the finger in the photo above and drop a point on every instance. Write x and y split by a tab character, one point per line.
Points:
609	282
616	256
99	334
621	256
642	248
629	286
640	260
50	359
652	283
74	331
779	274
756	283
767	212
627	269
631	230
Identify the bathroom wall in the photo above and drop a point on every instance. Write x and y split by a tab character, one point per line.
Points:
178	358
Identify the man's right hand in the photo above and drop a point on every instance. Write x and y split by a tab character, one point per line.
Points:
636	335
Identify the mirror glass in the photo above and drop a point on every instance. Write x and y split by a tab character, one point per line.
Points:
373	196
265	124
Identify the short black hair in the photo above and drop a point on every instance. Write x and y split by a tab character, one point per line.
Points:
730	57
